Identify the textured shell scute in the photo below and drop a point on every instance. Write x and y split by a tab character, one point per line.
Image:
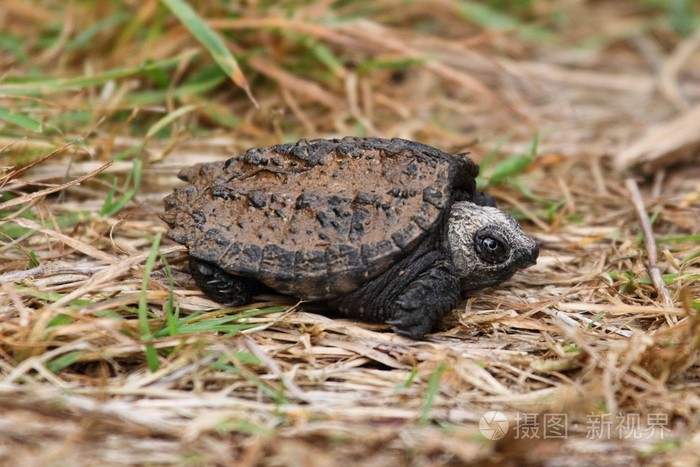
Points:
316	218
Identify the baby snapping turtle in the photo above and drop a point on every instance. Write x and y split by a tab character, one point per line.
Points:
383	230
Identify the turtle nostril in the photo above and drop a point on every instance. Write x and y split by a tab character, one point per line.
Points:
535	252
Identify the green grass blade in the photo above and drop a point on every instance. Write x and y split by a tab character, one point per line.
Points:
112	207
20	120
34	260
32	87
65	360
491	18
211	41
60	320
514	164
168	119
510	166
172	312
193	87
433	385
692	238
411	378
84	39
487	16
146	334
383	64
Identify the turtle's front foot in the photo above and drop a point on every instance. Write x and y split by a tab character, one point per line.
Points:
425	301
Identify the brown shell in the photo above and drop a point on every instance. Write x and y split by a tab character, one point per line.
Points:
316	218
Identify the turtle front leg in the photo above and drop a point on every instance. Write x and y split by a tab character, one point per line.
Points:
424	302
223	287
412	296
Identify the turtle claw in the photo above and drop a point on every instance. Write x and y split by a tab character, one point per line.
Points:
414	329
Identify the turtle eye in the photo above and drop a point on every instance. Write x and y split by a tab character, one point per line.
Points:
490	248
491	243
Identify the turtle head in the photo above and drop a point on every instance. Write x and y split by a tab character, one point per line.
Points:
487	245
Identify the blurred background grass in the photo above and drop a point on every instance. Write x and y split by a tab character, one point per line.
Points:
154	69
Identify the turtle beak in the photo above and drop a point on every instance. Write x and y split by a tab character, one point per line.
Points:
529	256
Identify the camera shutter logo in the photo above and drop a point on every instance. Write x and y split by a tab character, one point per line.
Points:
493	425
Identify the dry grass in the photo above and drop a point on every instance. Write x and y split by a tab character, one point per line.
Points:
109	354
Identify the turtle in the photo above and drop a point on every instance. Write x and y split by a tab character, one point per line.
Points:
382	230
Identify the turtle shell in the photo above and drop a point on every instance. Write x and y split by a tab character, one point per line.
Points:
316	218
